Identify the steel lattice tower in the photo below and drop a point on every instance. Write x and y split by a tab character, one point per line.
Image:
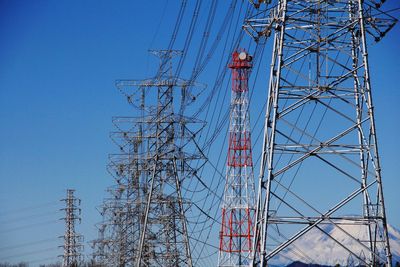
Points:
144	220
239	196
320	169
113	246
72	256
123	211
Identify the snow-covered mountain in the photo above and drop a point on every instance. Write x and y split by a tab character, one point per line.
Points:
317	248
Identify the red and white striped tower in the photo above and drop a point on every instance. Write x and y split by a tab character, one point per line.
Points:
239	198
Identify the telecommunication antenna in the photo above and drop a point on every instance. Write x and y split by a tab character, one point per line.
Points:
238	205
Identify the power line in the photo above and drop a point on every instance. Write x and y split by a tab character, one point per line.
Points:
28	244
29	226
27	218
29	208
39	251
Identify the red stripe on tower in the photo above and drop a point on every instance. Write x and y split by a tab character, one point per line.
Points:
239	202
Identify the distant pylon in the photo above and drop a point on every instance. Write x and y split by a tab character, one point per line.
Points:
72	256
239	201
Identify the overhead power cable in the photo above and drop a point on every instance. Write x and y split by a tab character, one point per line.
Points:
28	244
39	251
29	226
29	208
28	218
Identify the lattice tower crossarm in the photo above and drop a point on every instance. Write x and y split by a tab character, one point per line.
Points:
320	167
72	256
238	204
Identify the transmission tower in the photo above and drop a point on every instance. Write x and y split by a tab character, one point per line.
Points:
320	168
123	211
112	247
72	241
98	246
239	197
145	222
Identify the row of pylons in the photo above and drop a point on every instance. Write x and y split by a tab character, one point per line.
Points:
319	163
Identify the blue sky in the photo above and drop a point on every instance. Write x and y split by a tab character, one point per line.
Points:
58	63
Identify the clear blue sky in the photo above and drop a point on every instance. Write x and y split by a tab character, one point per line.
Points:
58	63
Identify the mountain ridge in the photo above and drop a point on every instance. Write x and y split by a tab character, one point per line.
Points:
316	246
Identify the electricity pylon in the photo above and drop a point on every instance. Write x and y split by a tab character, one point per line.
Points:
122	211
239	195
157	157
320	168
72	256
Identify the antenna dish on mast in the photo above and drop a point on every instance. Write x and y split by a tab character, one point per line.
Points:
242	56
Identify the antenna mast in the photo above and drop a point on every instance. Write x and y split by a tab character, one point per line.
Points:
239	200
